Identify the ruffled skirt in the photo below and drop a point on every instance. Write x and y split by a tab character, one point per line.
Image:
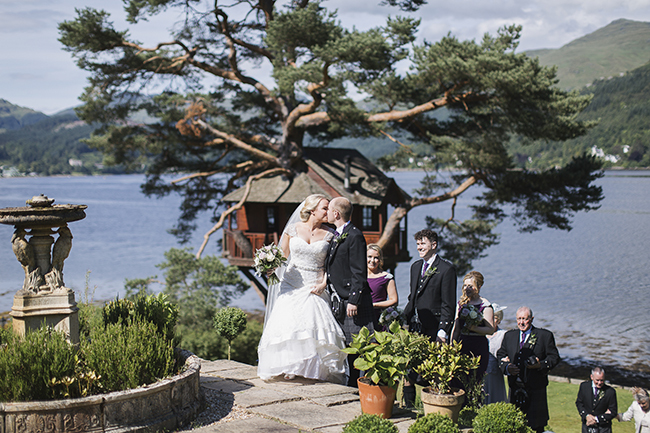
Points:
301	337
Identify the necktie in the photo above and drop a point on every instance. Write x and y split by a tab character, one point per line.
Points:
523	340
595	393
424	268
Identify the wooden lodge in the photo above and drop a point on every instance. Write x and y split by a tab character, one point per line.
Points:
331	172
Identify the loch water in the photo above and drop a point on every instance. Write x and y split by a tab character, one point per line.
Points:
590	285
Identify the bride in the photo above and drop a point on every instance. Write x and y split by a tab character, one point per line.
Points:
301	336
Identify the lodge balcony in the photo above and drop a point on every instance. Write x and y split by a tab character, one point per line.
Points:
240	246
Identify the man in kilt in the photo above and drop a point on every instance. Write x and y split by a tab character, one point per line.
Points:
347	273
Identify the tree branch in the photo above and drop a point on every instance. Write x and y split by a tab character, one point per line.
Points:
235	141
222	218
392	225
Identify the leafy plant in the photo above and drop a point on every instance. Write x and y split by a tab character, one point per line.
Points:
28	364
434	423
229	323
444	363
152	308
370	423
128	356
466	416
384	356
500	417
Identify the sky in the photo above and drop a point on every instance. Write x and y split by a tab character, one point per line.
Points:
36	73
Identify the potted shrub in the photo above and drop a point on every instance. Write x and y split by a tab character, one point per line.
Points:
444	363
385	359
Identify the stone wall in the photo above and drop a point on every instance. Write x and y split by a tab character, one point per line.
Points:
166	404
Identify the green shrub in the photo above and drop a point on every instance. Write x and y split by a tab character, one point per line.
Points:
28	365
155	309
500	418
90	316
370	423
466	416
434	423
126	357
229	323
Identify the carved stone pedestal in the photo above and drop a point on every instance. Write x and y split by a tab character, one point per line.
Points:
58	310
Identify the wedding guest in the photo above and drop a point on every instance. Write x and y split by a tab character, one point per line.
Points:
494	385
382	283
639	410
432	297
596	403
526	355
474	320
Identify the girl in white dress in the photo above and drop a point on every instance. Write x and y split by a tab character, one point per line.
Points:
301	336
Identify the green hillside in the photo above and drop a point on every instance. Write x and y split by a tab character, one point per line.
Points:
15	117
622	108
610	51
49	146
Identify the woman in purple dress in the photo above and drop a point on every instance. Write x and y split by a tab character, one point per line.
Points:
382	284
474	320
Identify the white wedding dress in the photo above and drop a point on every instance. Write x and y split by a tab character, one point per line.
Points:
301	336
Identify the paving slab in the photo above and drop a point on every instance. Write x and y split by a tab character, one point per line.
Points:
308	415
228	386
305	388
250	425
204	379
238	373
333	400
220	364
260	397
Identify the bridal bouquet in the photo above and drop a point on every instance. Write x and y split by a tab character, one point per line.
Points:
471	315
391	314
268	258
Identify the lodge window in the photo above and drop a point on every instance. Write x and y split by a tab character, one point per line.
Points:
366	218
271	219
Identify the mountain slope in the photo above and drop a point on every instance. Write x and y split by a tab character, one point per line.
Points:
15	117
48	146
622	137
620	46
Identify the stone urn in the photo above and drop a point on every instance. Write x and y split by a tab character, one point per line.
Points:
43	296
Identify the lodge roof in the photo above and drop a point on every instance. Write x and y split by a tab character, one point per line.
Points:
325	174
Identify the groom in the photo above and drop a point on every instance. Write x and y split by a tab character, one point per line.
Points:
347	274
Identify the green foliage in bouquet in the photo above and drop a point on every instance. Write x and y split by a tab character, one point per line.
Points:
370	423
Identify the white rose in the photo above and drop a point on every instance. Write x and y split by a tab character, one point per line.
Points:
473	314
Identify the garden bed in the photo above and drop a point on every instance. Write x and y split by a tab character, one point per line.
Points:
166	404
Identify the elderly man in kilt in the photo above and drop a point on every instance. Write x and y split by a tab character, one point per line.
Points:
347	276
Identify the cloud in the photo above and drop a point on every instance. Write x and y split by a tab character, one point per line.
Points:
37	73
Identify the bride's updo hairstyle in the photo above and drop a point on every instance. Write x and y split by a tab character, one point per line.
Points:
311	203
478	277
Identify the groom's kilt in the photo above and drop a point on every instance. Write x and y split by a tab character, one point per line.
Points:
364	317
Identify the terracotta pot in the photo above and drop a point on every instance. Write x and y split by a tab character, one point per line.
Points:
376	399
445	404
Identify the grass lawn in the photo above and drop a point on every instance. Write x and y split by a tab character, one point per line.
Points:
564	415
